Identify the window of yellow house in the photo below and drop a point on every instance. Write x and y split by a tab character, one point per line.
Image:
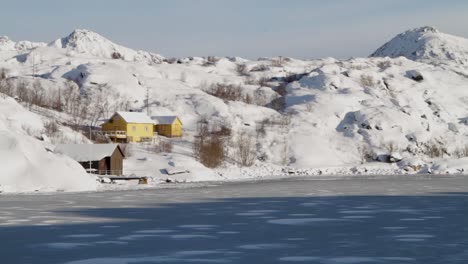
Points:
133	128
146	129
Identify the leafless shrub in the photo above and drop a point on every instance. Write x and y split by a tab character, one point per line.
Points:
22	91
260	68
461	152
309	107
260	128
3	74
208	147
229	92
242	70
367	81
278	62
282	121
164	146
171	60
6	86
285	120
384	65
222	131
260	98
356	67
245	149
251	81
50	128
210	61
263	81
116	55
391	147
37	94
365	153
435	150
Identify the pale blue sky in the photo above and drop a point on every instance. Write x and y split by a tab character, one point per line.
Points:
296	28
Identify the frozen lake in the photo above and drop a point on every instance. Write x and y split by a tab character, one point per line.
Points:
401	219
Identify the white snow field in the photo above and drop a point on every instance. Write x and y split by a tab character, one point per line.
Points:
28	165
404	110
399	219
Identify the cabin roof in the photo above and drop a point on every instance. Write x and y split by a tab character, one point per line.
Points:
164	120
135	117
87	152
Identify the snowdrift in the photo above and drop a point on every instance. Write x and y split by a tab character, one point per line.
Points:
27	164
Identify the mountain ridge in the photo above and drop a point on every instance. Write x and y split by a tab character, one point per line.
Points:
426	44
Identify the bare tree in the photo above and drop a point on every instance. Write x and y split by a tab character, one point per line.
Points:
37	94
209	146
6	87
22	91
242	70
245	149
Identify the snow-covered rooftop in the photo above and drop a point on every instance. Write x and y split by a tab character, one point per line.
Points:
164	120
135	117
86	152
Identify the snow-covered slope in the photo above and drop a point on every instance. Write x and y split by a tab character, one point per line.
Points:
27	165
88	42
426	44
341	108
305	114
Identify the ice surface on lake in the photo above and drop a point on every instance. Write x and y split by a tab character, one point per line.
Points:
266	222
300	221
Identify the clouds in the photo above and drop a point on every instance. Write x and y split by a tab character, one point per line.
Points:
306	29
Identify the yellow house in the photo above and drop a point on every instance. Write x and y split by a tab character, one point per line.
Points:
129	127
168	126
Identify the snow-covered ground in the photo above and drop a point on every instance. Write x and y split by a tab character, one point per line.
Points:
305	117
398	219
27	163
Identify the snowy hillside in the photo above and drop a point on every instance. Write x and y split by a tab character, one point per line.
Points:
346	108
305	117
28	165
88	42
426	44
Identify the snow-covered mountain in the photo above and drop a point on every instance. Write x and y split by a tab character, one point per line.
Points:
21	46
309	116
426	44
89	42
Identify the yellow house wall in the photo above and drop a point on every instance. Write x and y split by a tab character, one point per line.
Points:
133	135
173	130
137	131
164	130
177	128
116	124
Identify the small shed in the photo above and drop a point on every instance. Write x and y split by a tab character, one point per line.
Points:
104	159
168	126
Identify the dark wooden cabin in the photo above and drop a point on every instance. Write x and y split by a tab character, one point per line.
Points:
103	159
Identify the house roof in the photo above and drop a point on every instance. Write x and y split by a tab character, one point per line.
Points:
135	117
86	152
164	120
